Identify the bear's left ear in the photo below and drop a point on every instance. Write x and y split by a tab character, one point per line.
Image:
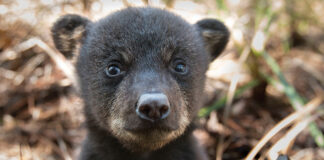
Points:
215	36
68	33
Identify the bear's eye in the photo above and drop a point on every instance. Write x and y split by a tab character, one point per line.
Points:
113	70
180	67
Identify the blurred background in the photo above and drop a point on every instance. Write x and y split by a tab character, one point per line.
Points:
264	93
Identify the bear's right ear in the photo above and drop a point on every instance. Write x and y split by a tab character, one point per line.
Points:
68	33
214	34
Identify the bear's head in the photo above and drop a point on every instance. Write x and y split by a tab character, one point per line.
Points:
141	71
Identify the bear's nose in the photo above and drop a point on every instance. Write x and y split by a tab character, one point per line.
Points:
153	106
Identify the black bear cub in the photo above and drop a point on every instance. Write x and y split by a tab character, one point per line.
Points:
141	73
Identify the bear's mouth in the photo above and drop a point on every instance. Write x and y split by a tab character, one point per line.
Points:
140	135
150	127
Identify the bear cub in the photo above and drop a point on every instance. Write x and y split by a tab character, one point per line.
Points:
141	74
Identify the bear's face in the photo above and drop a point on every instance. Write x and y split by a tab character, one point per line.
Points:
141	71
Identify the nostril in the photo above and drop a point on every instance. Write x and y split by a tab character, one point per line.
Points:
145	109
164	111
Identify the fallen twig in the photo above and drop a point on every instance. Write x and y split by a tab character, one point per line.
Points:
312	105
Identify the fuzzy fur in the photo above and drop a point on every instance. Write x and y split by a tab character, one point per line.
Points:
146	43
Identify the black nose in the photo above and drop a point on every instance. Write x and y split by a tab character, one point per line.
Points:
153	106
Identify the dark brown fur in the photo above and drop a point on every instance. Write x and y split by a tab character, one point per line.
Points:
145	42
